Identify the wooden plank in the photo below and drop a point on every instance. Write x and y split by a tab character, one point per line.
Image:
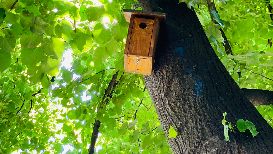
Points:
128	13
138	64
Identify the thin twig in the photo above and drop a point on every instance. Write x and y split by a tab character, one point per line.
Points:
226	44
270	9
135	114
13	5
259	74
31	105
83	80
38	92
21	107
75	27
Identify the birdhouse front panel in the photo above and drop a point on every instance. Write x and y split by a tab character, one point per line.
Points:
141	35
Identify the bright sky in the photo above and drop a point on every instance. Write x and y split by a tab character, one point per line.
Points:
67	59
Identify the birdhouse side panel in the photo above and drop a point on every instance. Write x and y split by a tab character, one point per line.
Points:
154	37
140	36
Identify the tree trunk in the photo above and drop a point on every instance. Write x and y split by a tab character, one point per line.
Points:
191	89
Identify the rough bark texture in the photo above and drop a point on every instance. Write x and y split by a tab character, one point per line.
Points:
191	89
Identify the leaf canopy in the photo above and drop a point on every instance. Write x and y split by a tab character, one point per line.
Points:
57	58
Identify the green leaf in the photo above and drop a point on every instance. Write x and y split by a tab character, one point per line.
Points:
244	125
226	125
58	148
101	35
45	82
67	128
11	17
214	32
5	60
30	40
32	57
67	75
33	9
172	132
58	46
7	43
64	29
74	114
79	40
16	28
92	13
2	15
147	141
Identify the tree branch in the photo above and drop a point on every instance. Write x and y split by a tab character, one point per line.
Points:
31	105
13	5
75	25
226	44
259	74
109	91
270	9
85	79
38	92
21	107
105	100
135	114
212	8
94	136
258	97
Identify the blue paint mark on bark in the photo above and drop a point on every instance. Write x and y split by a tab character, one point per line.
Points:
180	51
188	70
198	87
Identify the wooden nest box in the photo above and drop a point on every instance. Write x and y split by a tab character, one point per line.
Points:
141	41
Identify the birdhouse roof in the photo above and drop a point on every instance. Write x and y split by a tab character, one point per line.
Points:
128	13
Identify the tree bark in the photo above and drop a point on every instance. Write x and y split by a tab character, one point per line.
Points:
191	89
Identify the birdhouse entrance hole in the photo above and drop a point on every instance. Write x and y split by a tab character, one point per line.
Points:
141	41
142	25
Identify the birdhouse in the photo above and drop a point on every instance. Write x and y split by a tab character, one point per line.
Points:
141	41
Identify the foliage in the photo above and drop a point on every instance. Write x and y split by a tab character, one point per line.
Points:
267	112
243	125
172	132
57	57
227	126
